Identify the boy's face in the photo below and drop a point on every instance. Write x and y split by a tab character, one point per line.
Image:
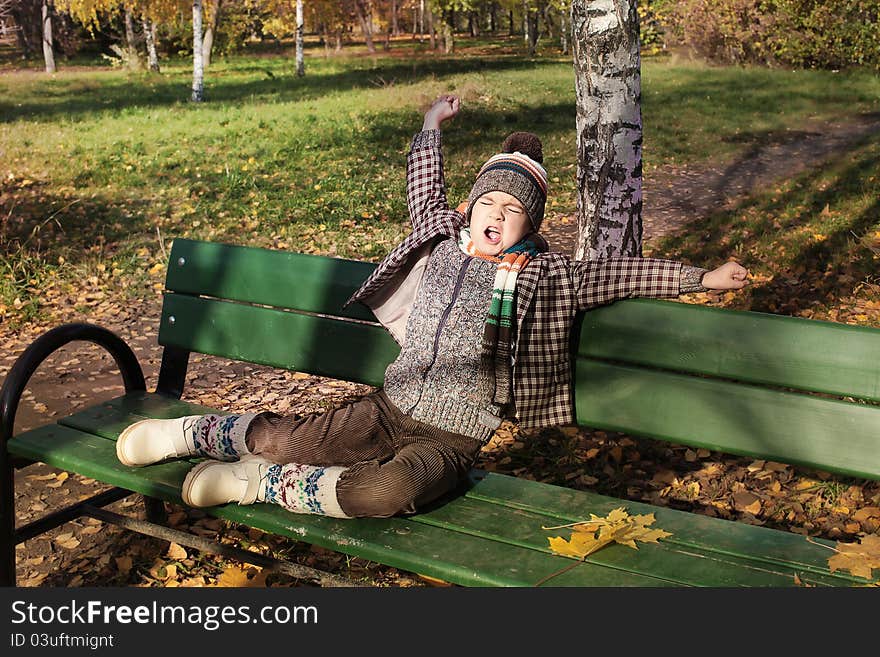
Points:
498	221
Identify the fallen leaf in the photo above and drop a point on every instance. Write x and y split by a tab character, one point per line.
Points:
123	564
866	512
236	576
176	552
858	558
617	527
68	543
59	480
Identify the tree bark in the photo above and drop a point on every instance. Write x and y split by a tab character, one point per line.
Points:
563	27
134	58
150	36
395	26
210	33
300	58
198	86
448	33
532	21
432	33
605	48
525	5
365	18
48	54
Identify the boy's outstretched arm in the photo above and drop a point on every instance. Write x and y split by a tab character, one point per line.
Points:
603	281
425	183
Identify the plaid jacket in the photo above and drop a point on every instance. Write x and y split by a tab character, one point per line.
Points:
551	290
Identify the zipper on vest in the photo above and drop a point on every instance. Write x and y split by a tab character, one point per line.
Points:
445	316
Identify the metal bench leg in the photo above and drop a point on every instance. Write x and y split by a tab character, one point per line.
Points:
7	520
155	511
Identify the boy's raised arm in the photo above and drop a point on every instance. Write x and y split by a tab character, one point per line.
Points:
606	280
425	184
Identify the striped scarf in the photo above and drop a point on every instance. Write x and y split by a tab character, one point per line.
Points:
495	359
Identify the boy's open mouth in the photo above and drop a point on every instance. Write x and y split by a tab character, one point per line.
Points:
493	235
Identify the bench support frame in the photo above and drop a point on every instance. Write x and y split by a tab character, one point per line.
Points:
10	397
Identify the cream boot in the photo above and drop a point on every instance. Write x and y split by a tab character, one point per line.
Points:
220	437
210	483
295	487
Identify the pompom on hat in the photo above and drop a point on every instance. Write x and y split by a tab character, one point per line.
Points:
516	170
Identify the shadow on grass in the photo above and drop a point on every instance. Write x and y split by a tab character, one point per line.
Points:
279	83
810	270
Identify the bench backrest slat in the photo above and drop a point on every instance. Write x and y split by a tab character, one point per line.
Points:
305	343
298	281
789	352
735	418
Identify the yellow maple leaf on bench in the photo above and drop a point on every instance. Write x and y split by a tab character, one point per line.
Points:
618	526
858	558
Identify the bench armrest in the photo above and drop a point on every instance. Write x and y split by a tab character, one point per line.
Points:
44	346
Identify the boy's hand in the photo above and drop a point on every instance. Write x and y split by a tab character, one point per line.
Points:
729	276
445	107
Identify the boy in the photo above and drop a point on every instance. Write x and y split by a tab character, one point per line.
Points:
482	313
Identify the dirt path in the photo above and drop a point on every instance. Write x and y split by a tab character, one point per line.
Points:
678	196
84	553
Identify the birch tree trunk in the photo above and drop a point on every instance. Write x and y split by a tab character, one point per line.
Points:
210	33
198	87
563	27
525	5
432	33
150	36
605	48
300	61
395	25
48	55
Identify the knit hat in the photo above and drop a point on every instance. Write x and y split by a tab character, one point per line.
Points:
516	170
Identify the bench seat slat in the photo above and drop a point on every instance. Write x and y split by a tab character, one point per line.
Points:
790	352
305	343
801	429
283	279
684	565
772	547
740	552
417	547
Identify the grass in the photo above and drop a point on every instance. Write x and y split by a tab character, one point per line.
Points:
101	169
812	244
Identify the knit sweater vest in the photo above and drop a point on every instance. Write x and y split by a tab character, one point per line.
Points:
437	378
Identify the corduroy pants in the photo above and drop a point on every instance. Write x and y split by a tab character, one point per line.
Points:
396	465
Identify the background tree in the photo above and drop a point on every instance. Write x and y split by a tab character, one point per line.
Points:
211	24
605	46
198	85
48	54
363	9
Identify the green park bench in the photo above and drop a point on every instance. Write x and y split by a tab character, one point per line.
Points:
785	389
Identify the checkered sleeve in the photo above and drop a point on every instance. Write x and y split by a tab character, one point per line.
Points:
599	282
425	184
